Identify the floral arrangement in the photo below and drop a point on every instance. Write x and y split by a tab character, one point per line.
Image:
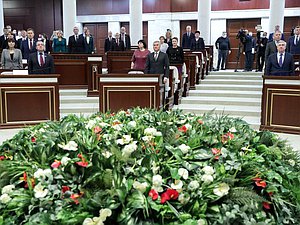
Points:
143	166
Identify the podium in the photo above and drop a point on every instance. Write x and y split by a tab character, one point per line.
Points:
28	99
281	104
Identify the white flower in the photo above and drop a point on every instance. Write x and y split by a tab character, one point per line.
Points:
42	174
128	149
207	178
150	131
193	185
147	138
102	124
41	130
201	222
90	124
292	162
106	154
117	126
188	126
177	185
183	198
4	199
181	121
104	213
184	148
71	146
140	186
39	191
124	140
132	124
107	137
88	221
232	130
157	182
221	190
154	168
183	173
8	189
64	160
209	170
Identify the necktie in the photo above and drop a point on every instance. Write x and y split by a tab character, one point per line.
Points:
41	59
297	40
155	56
76	38
280	60
118	42
188	34
30	43
124	40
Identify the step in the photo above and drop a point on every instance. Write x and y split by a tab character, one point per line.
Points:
77	114
232	81
226	93
228	87
234	76
239	72
78	99
221	100
73	92
221	109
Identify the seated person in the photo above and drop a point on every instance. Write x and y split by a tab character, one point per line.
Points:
175	52
11	57
40	62
280	63
138	61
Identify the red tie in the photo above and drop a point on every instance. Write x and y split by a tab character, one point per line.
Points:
30	43
41	59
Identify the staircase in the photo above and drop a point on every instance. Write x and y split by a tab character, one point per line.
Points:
237	94
75	101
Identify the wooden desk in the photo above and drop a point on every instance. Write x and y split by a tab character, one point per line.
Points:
78	70
123	91
191	67
28	99
119	61
210	51
281	104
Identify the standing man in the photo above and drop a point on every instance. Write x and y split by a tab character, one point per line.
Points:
248	46
117	44
158	62
125	38
280	63
272	46
76	42
108	42
271	36
28	45
197	43
23	38
293	44
223	46
187	38
88	42
40	62
261	44
3	37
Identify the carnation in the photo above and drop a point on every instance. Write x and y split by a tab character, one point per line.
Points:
209	170
183	173
8	189
5	198
207	178
193	185
221	190
184	148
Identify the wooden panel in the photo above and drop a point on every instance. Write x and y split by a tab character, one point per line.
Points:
184	23
145	33
233	26
218	5
102	7
184	6
127	27
292	3
119	62
289	23
156	6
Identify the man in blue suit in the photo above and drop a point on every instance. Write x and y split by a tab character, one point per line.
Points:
28	46
248	50
187	38
293	44
280	63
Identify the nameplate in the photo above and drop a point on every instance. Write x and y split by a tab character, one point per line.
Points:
24	61
124	79
20	72
282	82
27	80
94	59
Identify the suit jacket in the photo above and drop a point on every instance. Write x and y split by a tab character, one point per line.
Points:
89	47
160	66
2	39
35	68
76	46
116	47
107	44
270	49
197	45
25	48
187	41
10	64
287	68
249	44
127	40
272	34
291	47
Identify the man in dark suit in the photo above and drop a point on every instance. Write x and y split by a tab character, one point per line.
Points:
23	38
271	36
293	44
108	42
158	62
28	45
248	51
261	44
187	38
125	38
76	42
89	42
197	43
117	44
280	63
272	46
3	37
40	62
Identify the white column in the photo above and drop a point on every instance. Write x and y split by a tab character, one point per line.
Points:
1	17
114	27
136	22
69	17
204	10
276	14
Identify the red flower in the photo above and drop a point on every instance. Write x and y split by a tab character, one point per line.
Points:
82	164
65	188
55	164
79	156
75	198
259	182
153	194
170	194
227	136
216	152
24	178
97	129
2	157
183	129
200	122
266	205
33	140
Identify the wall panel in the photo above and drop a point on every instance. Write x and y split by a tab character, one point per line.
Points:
102	7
